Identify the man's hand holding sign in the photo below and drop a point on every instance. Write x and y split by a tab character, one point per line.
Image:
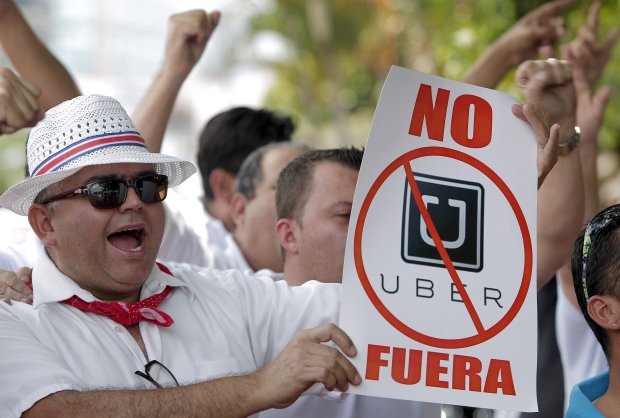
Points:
440	278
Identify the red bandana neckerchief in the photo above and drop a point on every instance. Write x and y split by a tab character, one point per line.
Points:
129	313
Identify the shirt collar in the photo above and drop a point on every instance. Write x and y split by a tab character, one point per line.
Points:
50	285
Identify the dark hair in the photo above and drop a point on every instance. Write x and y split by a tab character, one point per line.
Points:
229	137
251	172
295	180
602	264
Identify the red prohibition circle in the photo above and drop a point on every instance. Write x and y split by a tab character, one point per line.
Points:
527	250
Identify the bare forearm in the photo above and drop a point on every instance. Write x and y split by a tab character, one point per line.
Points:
489	68
229	397
153	113
560	215
188	35
588	152
32	60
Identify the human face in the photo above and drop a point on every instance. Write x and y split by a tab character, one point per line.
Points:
255	228
109	252
324	223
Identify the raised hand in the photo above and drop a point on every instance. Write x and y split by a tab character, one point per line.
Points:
550	107
542	26
539	29
588	57
588	48
19	107
188	34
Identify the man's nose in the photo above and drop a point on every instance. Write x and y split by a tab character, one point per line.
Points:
132	201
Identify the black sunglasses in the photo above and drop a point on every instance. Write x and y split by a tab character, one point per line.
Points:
111	193
154	371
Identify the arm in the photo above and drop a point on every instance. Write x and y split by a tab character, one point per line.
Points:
520	42
31	58
18	103
303	362
588	57
548	89
188	35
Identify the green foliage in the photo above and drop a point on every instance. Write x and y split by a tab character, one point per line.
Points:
12	158
341	51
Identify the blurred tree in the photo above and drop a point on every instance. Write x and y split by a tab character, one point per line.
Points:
339	54
12	151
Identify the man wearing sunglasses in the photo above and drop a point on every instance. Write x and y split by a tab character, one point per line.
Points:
105	315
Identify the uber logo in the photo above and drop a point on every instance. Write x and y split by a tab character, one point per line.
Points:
456	208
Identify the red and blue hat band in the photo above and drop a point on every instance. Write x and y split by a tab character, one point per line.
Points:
85	146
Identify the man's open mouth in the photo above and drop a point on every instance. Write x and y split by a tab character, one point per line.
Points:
127	239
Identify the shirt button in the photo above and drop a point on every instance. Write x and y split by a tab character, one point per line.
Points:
118	329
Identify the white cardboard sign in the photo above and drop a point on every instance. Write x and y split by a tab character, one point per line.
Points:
439	288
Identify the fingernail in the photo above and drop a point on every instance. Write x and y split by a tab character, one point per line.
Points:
353	350
357	379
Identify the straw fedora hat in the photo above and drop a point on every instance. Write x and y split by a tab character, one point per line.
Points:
84	131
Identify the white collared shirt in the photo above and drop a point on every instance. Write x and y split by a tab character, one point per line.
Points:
225	323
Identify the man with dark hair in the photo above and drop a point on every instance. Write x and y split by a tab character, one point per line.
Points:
227	139
200	233
253	244
595	266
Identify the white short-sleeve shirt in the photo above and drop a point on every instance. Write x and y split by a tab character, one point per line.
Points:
224	323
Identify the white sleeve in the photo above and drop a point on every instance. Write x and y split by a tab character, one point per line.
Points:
29	371
276	312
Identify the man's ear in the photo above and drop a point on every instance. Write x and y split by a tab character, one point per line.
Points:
605	311
287	233
40	221
238	204
222	184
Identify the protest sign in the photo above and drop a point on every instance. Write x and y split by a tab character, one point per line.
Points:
439	288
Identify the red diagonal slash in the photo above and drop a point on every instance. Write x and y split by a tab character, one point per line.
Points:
415	191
